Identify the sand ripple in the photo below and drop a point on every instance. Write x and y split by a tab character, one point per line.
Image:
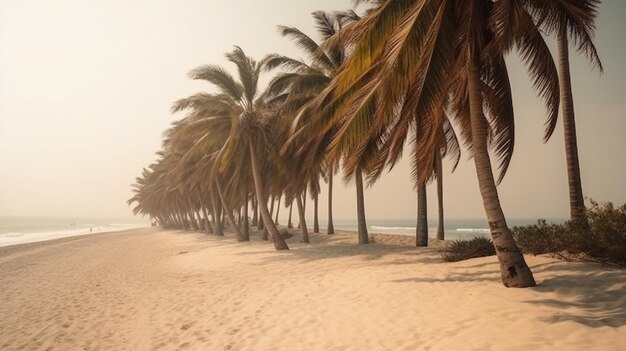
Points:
155	290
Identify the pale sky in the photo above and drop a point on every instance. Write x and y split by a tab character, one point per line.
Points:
86	87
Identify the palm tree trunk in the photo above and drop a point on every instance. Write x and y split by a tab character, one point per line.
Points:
421	230
330	229
245	235
289	223
255	211
260	219
200	221
217	215
207	223
193	221
228	211
439	174
277	209
183	217
513	268
360	208
272	201
192	217
178	221
576	199
182	225
264	232
316	223
279	242
305	232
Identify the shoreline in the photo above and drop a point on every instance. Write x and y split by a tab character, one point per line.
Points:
146	289
65	236
36	244
379	237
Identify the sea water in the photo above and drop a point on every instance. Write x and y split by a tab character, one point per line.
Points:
454	229
19	230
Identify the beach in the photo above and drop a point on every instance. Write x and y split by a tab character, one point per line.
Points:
149	289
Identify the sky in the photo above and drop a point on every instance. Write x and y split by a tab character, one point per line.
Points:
86	88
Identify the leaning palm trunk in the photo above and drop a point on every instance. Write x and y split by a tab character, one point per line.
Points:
192	217
305	232
331	226
255	212
200	221
513	268
183	218
576	200
245	235
277	210
360	208
421	230
228	212
316	223
279	242
207	223
289	222
439	175
217	215
178	220
260	219
272	201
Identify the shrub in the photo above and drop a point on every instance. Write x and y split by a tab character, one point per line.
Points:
605	240
602	238
285	233
465	249
542	238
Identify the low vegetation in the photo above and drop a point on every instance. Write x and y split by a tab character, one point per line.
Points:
461	250
602	238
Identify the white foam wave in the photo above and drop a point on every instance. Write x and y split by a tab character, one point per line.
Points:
13	238
374	227
473	230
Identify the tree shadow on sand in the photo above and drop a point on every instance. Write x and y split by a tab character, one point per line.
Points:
334	247
588	293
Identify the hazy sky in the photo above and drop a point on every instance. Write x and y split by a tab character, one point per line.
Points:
86	87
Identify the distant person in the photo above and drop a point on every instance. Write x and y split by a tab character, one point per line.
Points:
90	229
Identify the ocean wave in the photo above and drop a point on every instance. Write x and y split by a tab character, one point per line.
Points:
374	227
11	235
13	238
473	230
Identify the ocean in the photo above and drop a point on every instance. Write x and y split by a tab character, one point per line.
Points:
454	229
19	230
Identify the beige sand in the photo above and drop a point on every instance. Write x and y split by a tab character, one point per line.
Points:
148	289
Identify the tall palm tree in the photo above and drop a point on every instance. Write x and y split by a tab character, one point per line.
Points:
565	19
302	83
415	58
238	103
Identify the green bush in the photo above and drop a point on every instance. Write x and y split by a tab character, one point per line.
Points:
542	238
602	238
605	240
465	249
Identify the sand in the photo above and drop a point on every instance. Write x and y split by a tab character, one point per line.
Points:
150	289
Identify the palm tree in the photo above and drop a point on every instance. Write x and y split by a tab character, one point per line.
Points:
303	82
575	19
237	102
415	58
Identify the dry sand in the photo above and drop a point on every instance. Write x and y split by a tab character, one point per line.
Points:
149	289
